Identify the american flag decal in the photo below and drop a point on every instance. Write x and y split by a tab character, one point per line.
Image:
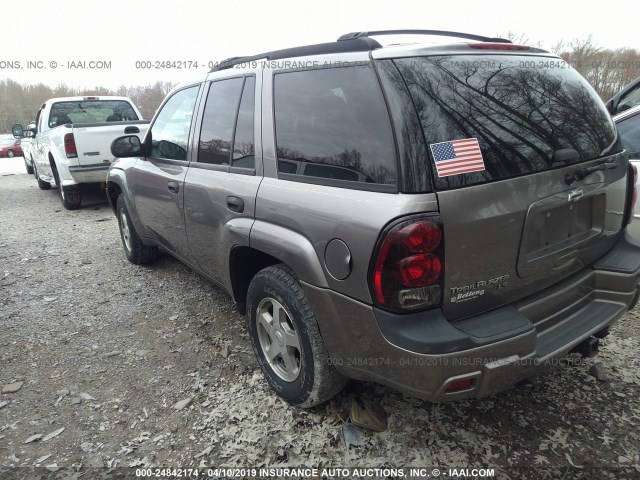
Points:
457	156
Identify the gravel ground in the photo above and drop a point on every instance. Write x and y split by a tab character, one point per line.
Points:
126	366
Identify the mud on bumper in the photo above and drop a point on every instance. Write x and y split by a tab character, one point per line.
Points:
422	354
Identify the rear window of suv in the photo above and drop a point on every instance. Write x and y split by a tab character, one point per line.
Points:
333	128
518	110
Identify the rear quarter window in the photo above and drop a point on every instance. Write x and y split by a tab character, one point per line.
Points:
332	127
522	110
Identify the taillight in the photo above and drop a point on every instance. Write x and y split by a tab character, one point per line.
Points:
70	146
407	269
497	46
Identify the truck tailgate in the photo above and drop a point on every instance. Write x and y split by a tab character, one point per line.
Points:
93	140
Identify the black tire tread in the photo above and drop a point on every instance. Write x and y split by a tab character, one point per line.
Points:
328	382
72	199
140	253
28	167
42	185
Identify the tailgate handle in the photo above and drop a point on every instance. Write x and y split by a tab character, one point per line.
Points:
131	130
575	195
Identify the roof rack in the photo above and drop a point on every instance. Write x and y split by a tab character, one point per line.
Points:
356	45
444	33
350	42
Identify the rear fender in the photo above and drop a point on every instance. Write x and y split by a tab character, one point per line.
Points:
291	248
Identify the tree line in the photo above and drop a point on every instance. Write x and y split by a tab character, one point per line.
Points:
19	102
607	70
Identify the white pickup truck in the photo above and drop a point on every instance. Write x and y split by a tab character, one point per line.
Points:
71	141
26	144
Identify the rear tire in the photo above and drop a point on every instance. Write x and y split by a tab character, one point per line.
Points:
70	194
42	185
286	339
136	251
11	154
28	167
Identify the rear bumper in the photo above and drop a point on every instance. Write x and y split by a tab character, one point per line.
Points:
422	354
93	173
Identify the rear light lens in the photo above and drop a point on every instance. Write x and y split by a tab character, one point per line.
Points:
459	385
70	146
407	269
497	46
420	270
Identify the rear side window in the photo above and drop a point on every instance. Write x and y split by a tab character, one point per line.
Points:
495	117
243	144
630	100
218	121
629	131
332	127
226	136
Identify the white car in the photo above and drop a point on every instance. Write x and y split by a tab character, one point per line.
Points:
628	123
71	141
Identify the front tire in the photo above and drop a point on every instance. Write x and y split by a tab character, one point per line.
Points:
11	154
136	251
28	167
42	185
286	339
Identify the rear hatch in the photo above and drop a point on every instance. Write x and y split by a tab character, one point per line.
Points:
529	176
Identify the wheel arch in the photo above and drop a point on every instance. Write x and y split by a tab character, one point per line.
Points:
244	263
269	245
113	191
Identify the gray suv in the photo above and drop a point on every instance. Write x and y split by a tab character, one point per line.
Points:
442	218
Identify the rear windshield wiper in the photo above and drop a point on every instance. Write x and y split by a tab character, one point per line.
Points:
582	173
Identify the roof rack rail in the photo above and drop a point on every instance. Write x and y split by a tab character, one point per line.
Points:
362	44
444	33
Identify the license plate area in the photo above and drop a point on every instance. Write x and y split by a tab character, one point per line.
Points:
556	229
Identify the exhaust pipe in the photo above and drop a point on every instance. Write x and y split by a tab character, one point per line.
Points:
588	348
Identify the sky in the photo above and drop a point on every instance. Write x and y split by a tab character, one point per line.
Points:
55	42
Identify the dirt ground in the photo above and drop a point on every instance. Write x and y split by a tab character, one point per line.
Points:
123	366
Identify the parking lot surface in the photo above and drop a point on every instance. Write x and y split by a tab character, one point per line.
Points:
108	365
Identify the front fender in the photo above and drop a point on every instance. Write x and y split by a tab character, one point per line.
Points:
117	184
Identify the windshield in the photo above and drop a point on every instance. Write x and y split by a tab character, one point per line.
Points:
91	111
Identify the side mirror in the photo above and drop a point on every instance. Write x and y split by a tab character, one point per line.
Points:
127	146
17	131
